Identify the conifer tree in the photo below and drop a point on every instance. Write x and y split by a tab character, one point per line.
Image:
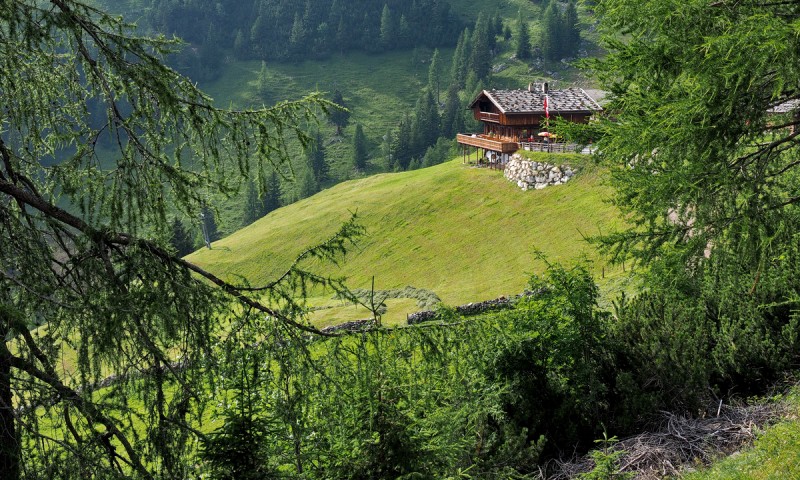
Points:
434	75
271	198
258	31
252	205
263	82
498	24
359	149
102	274
400	147
474	85
181	240
404	33
572	33
389	28
315	159
209	226
371	34
338	117
480	60
425	127
239	45
459	124
258	37
706	171
452	110
552	28
492	32
523	39
458	69
297	38
307	183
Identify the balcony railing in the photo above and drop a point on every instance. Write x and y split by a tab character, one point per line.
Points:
487	143
488	117
501	145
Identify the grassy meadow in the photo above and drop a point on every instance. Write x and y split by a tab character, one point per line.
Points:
465	233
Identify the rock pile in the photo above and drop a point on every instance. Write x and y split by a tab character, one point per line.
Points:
528	174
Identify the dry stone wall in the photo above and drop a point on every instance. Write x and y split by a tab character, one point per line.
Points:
528	174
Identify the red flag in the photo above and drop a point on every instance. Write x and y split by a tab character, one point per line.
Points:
546	109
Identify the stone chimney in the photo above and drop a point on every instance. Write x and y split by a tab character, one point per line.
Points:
542	87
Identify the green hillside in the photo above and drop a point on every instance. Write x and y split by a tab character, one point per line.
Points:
464	233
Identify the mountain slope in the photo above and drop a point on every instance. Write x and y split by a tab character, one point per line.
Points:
465	233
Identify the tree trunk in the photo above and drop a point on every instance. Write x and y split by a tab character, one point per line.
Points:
9	443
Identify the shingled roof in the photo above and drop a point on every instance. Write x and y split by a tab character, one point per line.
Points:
525	101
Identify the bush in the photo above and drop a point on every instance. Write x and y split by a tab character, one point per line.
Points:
726	324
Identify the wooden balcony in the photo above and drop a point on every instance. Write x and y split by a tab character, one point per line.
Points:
494	144
488	117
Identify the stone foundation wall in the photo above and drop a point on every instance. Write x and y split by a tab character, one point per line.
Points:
528	174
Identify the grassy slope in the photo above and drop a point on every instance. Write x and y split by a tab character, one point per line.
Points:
466	233
377	89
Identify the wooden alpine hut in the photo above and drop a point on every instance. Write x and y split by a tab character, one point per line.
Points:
514	118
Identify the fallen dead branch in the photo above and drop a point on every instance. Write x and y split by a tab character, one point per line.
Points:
679	443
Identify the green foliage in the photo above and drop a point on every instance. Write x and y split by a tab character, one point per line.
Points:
572	33
556	370
434	74
311	29
306	184
438	153
523	39
315	159
453	115
252	206
181	240
271	195
360	154
339	117
708	177
560	32
400	147
298	36
86	250
419	402
263	86
606	461
209	225
552	31
389	28
425	128
239	449
460	65
480	59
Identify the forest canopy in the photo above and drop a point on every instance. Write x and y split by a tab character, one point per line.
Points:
289	29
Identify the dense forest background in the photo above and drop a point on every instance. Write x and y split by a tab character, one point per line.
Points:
437	56
288	29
